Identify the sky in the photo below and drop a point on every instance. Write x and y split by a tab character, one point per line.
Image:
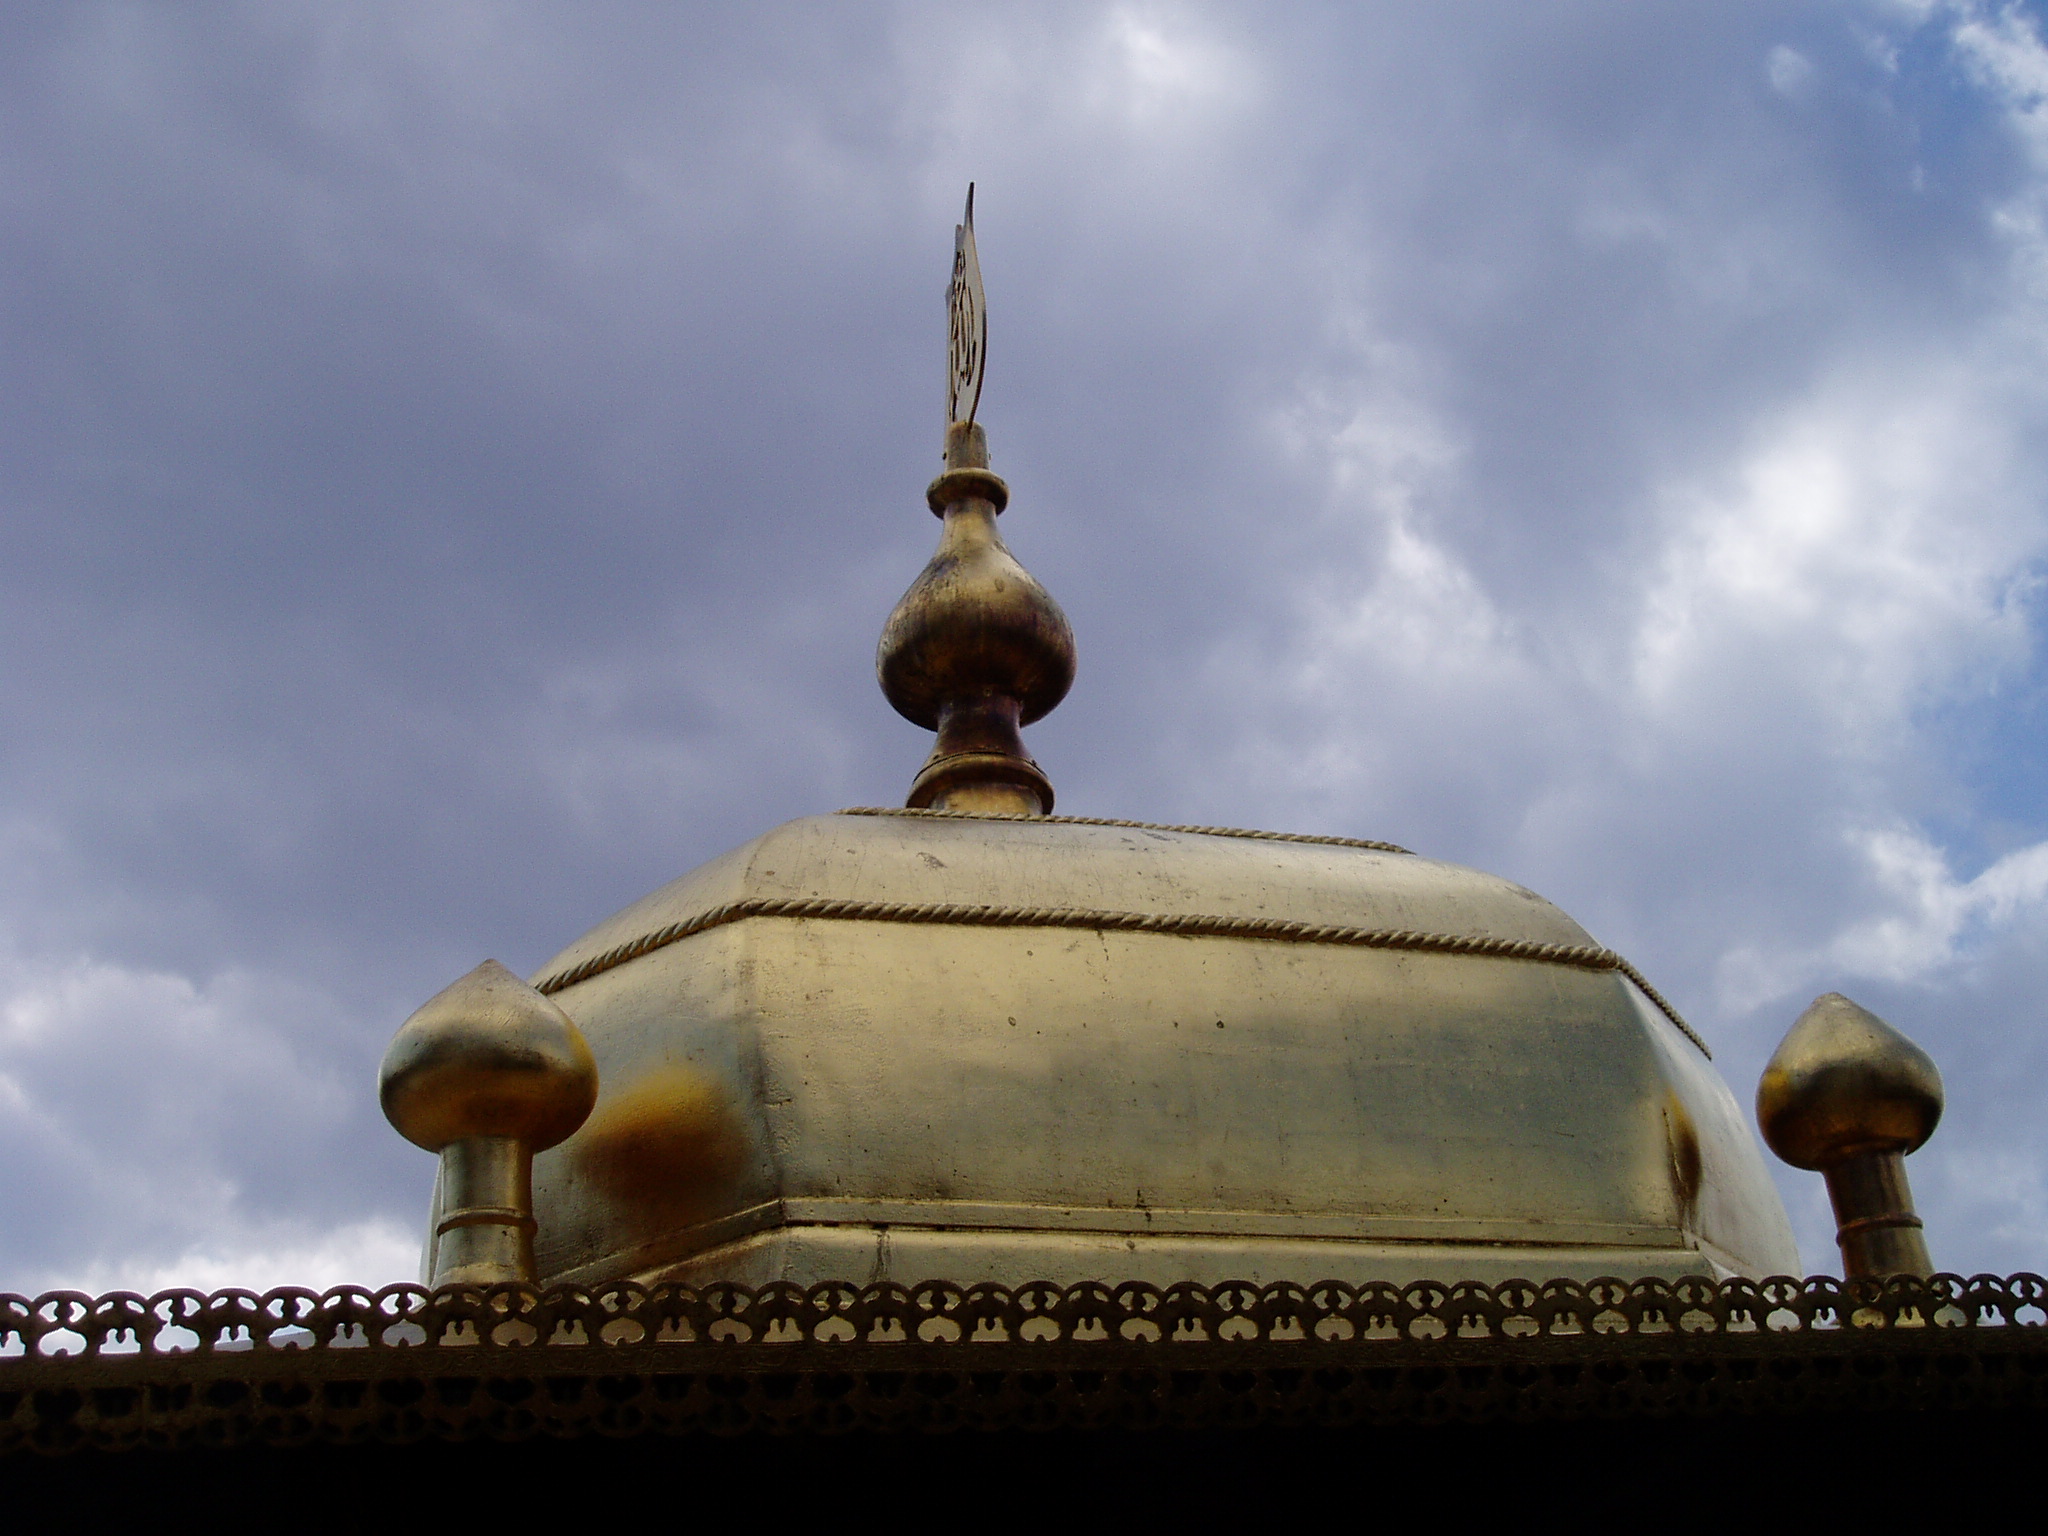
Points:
456	459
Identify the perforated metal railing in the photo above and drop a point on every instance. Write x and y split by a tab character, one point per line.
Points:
171	1324
405	1363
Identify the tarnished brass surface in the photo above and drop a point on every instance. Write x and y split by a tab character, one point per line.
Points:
1207	925
487	1056
1876	1226
902	1101
1592	957
1847	1094
487	1072
509	1362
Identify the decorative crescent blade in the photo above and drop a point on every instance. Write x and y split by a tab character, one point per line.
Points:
966	324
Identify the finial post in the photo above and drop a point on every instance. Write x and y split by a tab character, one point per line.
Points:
486	1073
976	649
1849	1096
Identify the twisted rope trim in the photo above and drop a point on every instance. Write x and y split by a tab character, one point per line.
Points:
1142	826
1585	957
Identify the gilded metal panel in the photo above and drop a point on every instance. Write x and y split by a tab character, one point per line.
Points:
805	1098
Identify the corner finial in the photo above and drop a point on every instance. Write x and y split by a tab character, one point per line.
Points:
1850	1096
977	648
487	1072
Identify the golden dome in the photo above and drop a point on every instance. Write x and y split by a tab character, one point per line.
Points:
911	1046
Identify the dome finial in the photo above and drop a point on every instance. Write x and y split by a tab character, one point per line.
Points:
977	648
1847	1094
486	1072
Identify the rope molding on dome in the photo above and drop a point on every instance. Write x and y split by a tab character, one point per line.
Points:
1141	826
1585	957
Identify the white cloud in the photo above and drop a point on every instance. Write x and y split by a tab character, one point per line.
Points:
1866	554
2003	1189
1162	72
159	1129
1418	610
1929	920
2004	47
371	1253
1789	71
1937	913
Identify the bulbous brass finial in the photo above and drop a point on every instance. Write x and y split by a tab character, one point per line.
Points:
976	649
1850	1096
487	1072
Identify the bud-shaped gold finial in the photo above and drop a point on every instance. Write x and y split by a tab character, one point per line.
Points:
977	648
1850	1096
486	1073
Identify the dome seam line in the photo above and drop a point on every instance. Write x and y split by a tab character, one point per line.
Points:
1586	957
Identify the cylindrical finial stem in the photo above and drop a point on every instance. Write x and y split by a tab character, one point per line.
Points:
483	1223
979	763
1875	1226
966	446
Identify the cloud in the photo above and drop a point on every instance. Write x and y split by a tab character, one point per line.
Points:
1872	548
371	1254
154	1128
1929	920
1789	71
1161	67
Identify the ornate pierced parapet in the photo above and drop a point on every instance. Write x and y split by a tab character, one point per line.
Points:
509	1362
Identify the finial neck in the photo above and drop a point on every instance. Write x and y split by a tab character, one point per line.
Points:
1876	1226
486	1073
966	446
967	479
483	1227
979	763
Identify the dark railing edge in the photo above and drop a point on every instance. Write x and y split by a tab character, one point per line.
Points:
175	1325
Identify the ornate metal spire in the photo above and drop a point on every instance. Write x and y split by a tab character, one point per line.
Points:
977	648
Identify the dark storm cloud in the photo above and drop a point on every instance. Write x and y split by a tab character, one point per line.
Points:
459	457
